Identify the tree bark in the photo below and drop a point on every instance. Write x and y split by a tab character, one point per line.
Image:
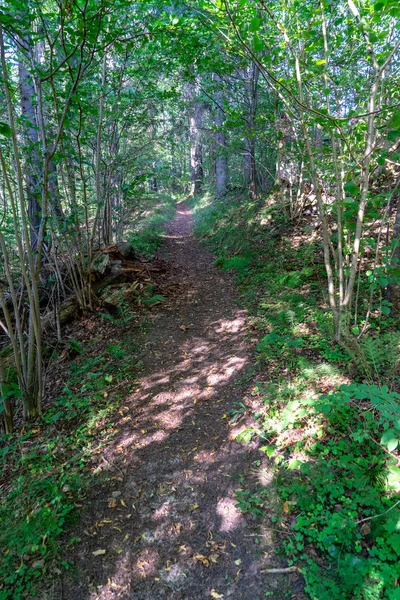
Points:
394	289
196	148
31	166
250	165
221	160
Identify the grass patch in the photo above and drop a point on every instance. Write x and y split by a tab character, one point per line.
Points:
145	232
45	470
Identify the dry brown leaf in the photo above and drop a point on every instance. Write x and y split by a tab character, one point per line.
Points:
201	558
213	557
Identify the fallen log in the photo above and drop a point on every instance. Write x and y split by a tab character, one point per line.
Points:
66	312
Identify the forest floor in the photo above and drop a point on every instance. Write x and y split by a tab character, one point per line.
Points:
164	524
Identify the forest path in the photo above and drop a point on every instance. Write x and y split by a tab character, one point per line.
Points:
167	520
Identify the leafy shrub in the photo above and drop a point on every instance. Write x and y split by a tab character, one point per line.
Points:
340	490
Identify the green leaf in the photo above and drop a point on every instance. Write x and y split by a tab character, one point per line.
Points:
351	188
5	129
258	44
255	24
269	450
393	135
383	281
390	439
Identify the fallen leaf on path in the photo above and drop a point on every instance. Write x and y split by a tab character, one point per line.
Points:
201	558
215	594
213	558
99	552
195	506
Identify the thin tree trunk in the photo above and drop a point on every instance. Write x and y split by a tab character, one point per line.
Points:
31	163
394	288
221	160
252	76
196	148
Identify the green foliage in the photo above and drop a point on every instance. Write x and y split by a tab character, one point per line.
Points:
9	390
145	232
75	346
51	463
329	450
155	299
240	264
251	502
375	356
338	487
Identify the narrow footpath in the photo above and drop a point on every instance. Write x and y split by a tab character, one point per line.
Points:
167	527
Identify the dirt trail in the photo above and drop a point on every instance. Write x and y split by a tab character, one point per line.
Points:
168	520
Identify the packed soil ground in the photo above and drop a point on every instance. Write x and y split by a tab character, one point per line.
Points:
164	526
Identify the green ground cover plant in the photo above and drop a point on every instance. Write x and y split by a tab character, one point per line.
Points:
46	467
329	414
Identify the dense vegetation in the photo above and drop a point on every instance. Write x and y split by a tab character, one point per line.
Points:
327	413
281	121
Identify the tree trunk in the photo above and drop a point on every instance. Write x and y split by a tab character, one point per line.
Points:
196	148
54	191
252	75
394	288
221	160
31	167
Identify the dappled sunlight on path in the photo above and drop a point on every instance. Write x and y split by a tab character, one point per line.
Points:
168	521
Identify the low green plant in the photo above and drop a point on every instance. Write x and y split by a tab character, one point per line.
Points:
339	487
377	356
333	445
146	230
124	309
154	299
52	470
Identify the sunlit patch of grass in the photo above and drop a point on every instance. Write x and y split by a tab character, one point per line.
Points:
146	228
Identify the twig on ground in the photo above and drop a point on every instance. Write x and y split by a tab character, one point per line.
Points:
380	515
282	570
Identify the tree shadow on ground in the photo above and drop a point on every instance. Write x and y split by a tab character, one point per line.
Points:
165	522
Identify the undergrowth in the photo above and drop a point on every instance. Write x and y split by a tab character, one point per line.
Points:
46	469
145	231
328	416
